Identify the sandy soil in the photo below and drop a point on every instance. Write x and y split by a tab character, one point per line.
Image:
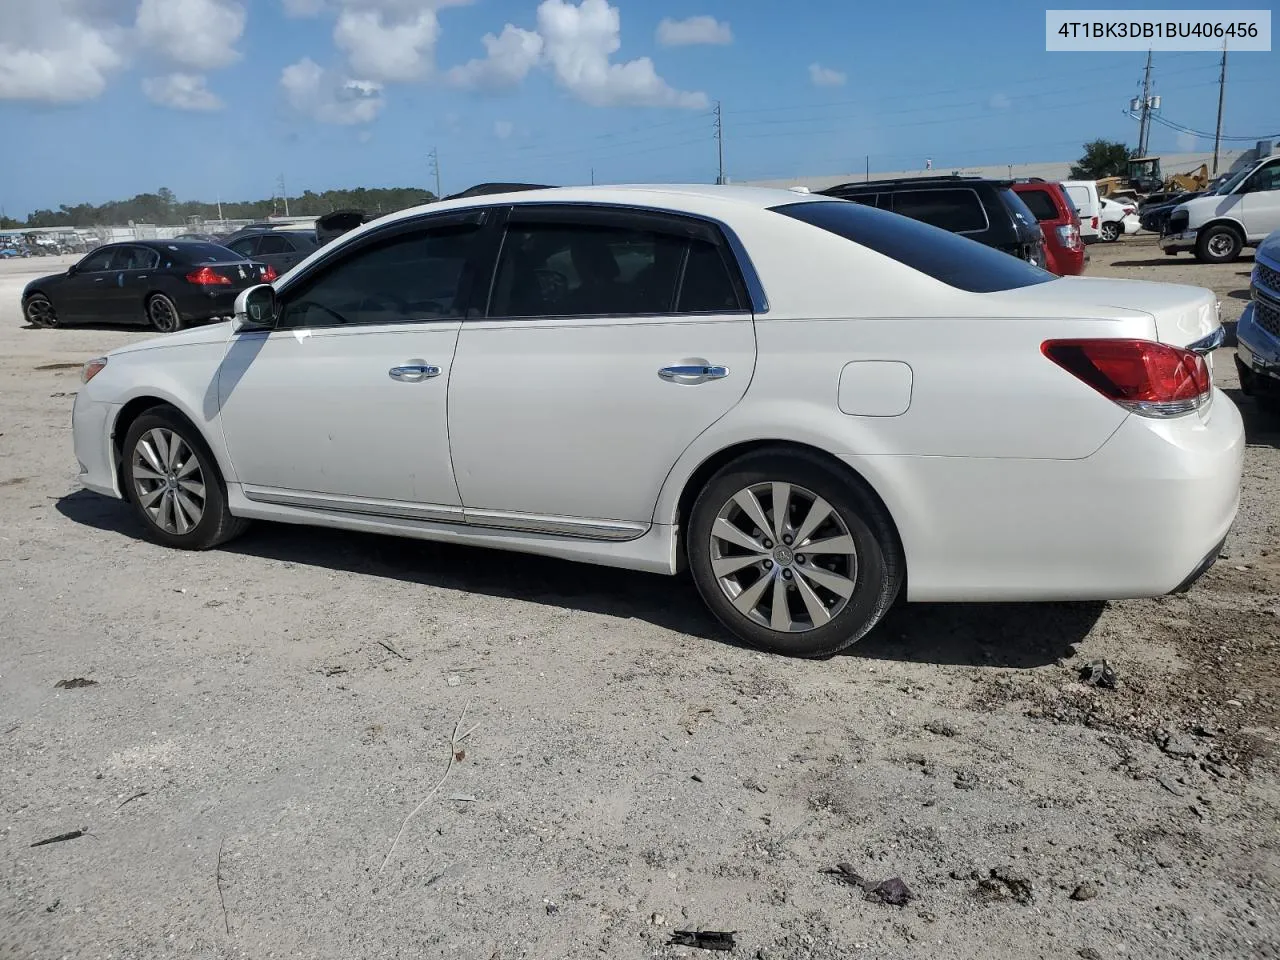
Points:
264	717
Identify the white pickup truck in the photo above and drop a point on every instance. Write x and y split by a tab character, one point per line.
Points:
1238	214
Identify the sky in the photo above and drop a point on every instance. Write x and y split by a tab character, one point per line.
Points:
104	99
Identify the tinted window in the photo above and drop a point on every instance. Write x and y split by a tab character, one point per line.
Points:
134	258
414	276
272	243
707	286
1268	178
244	246
1021	212
957	261
580	270
100	260
954	210
1040	203
200	253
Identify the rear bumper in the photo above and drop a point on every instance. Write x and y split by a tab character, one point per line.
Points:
1139	518
203	304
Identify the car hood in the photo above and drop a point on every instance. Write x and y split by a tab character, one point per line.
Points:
1270	247
196	336
44	281
1182	313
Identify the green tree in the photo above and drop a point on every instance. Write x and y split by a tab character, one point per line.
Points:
1102	158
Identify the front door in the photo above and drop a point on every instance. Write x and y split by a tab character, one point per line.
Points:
613	338
342	405
80	297
1260	204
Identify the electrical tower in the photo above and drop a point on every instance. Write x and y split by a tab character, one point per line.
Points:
433	158
284	195
720	143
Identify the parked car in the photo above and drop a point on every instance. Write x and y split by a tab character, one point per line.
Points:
1048	202
166	283
1258	332
1153	216
1240	213
809	402
202	237
987	211
333	225
1088	203
273	226
1117	219
282	249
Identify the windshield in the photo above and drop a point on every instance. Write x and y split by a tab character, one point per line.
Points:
1232	182
954	260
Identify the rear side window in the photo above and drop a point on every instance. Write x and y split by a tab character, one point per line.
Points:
707	286
244	246
273	243
954	260
959	211
1040	203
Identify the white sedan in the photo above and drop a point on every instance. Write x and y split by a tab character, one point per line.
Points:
813	405
1118	219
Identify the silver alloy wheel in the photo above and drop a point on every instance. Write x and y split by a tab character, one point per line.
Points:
168	481
40	312
1220	244
784	557
162	314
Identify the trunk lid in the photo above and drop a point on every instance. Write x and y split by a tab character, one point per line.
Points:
241	273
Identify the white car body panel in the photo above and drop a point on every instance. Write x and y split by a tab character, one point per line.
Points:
1084	194
1006	478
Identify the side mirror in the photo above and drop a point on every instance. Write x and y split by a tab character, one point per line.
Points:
256	308
71	270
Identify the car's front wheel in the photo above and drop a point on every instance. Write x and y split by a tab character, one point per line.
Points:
40	311
173	482
163	314
793	555
1218	245
1111	231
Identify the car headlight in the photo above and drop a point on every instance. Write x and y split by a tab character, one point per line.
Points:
92	369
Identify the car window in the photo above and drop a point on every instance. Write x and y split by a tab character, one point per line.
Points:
244	246
410	277
134	258
1040	203
272	243
585	270
707	285
952	259
97	261
1268	178
955	210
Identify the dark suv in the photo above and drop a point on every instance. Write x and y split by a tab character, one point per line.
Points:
988	211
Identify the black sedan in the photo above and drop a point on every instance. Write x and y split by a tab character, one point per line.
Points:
166	283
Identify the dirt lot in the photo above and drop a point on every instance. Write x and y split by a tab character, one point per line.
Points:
263	718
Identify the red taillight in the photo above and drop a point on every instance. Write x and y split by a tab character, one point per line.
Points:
1069	234
269	274
1128	211
1095	223
206	277
1147	378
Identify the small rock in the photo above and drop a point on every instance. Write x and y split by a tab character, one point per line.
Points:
552	909
1179	746
892	891
965	780
454	680
941	728
1098	673
1088	953
1164	862
1234	703
1084	891
657	919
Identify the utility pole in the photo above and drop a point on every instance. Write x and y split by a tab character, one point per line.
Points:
868	168
1144	126
434	159
720	142
1222	89
219	207
593	176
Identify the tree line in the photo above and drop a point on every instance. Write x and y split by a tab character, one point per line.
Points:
164	209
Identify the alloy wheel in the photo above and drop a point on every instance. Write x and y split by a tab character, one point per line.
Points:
168	481
162	314
1220	244
784	557
40	313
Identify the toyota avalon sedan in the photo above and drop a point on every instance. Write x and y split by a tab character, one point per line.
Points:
814	406
168	284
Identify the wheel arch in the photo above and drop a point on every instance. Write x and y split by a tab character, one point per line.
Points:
134	408
1229	222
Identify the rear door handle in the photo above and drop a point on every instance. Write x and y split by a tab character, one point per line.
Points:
691	373
415	371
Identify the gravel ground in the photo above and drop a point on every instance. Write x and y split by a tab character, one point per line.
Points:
263	718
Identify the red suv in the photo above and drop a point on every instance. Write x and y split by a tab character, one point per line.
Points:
1063	248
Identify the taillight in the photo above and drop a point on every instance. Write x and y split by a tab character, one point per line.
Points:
1147	378
206	277
1069	234
1128	211
1095	223
269	274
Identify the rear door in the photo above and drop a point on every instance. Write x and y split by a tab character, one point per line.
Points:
612	339
278	250
132	268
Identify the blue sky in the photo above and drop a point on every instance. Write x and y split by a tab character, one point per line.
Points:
102	99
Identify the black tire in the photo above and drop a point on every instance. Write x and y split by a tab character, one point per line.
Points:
43	315
215	524
163	314
1110	231
878	566
1218	244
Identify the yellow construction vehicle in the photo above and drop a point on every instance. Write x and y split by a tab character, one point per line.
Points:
1145	178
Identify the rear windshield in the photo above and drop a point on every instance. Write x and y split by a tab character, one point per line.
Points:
191	252
1040	203
954	260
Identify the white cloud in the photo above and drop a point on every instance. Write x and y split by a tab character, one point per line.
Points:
679	33
57	51
512	55
382	47
999	101
328	97
502	129
578	41
194	33
825	76
181	91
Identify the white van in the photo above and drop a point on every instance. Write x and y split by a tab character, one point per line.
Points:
1084	194
1239	213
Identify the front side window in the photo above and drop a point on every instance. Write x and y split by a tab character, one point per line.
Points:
959	211
1268	178
98	261
406	278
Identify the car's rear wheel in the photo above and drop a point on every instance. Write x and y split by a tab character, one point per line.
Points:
1111	231
1218	244
40	311
793	555
174	484
163	314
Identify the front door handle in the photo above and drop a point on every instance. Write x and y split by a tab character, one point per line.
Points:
691	373
414	371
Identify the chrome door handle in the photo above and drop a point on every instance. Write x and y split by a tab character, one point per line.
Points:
414	371
691	373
